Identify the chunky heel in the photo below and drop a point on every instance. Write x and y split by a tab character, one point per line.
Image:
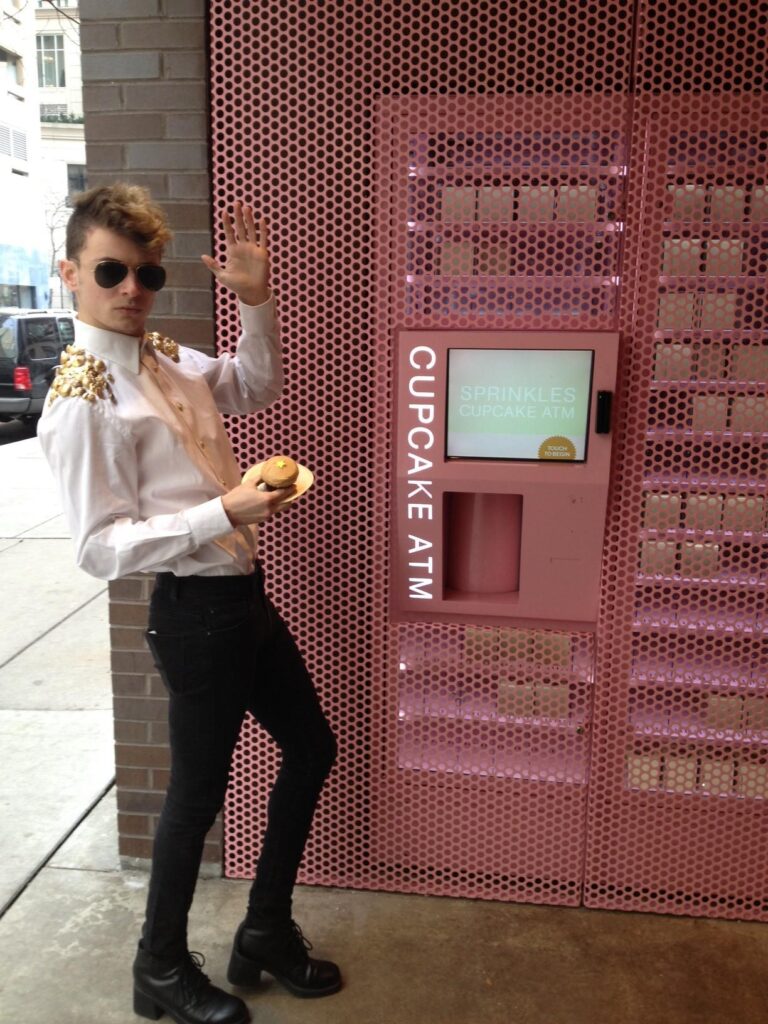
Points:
145	1006
243	972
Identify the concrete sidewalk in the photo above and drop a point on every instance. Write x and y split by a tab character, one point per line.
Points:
56	749
68	937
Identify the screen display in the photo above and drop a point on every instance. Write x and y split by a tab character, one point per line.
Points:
530	404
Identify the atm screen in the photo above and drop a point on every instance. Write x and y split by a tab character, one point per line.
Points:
530	404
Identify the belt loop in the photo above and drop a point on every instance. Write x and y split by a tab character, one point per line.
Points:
170	584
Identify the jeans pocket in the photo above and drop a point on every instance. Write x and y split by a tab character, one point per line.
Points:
190	663
170	654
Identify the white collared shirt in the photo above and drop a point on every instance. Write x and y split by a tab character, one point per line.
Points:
141	477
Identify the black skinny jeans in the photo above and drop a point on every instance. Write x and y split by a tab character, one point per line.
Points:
222	649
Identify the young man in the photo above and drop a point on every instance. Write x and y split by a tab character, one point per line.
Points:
149	483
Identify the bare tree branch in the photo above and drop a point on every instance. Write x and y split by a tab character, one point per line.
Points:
57	213
14	14
61	11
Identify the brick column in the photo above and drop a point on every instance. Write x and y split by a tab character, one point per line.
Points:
145	98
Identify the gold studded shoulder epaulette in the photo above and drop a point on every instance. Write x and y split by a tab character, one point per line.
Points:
81	375
167	346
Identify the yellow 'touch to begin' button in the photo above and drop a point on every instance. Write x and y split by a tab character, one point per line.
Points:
557	448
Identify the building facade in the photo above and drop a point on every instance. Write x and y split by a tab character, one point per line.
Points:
23	258
42	146
60	92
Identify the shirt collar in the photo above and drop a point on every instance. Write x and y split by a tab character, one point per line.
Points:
123	349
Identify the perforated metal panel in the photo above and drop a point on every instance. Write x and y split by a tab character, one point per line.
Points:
468	165
510	208
679	792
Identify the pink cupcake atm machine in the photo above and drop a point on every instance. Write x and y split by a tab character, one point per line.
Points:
502	464
501	468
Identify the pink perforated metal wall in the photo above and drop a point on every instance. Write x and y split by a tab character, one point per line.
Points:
679	787
530	166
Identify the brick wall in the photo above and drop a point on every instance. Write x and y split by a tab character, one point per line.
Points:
146	117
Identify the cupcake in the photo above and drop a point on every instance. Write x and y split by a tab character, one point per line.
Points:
278	472
281	473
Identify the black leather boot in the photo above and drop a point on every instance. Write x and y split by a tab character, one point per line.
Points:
282	951
180	989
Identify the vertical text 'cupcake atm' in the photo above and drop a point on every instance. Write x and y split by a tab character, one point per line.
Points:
502	465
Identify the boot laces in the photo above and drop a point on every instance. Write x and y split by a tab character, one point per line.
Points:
196	983
298	940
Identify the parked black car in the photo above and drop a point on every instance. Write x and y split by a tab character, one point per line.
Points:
31	341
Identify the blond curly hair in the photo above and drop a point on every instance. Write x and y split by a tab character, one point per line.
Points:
125	209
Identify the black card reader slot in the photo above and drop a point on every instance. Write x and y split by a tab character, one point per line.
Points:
603	412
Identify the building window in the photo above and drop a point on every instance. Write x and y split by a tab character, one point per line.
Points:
75	180
12	70
17	295
18	144
50	61
13	142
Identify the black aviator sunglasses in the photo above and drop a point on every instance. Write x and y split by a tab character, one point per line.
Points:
109	273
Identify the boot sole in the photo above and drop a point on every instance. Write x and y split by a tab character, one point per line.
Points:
245	973
147	1006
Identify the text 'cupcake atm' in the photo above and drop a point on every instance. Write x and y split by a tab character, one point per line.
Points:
502	465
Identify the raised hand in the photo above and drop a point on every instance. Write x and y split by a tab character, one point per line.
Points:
246	270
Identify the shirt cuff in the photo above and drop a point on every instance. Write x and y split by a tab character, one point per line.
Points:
208	521
258	319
